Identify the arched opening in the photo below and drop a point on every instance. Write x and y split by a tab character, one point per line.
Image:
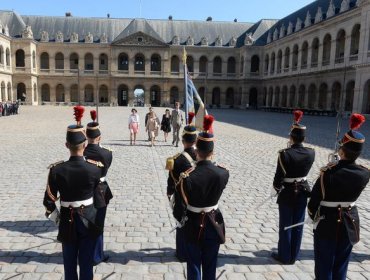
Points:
21	92
216	96
122	96
286	59
3	97
336	94
350	91
295	57
270	97
301	96
230	96
255	64
292	95
35	93
44	61
264	97
253	98
279	61
315	52
217	66
103	62
139	95
20	58
89	93
323	96
123	62
284	97
267	60
59	61
304	55
9	91
155	63
103	94
74	93
355	41
366	100
203	65
89	62
45	93
273	61
326	50
7	57
155	96
174	95
1	55
33	60
59	93
231	65
242	65
73	62
202	91
175	64
139	63
190	63
312	93
277	97
340	46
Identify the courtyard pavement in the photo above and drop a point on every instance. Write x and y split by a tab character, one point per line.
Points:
139	219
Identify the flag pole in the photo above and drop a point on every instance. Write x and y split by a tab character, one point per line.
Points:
184	57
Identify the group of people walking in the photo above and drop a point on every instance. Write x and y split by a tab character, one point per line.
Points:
153	124
9	108
194	187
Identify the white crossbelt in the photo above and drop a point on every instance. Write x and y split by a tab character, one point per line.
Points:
102	179
200	210
292	180
76	204
335	204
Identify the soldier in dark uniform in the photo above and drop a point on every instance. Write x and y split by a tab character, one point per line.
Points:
332	206
75	180
201	188
103	193
176	165
291	184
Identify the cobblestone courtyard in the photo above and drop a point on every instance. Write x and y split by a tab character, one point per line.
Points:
139	219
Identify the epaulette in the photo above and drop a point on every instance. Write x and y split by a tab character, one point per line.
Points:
221	166
106	148
55	164
282	150
186	173
309	147
367	168
97	163
170	162
328	166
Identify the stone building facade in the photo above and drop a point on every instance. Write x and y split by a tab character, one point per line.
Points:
316	58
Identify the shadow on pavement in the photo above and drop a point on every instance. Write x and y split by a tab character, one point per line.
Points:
33	227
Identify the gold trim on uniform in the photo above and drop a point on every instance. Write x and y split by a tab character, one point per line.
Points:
80	129
189	132
92	127
170	162
205	139
55	164
281	163
51	196
97	163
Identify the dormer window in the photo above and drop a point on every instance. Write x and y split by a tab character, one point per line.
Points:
140	39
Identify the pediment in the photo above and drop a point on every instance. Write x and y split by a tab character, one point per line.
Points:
139	39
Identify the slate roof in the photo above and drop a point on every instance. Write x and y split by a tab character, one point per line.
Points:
301	13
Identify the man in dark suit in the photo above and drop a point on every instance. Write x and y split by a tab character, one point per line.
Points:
176	165
176	120
290	182
332	206
200	189
75	180
103	193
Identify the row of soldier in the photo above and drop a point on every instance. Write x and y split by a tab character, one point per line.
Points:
194	187
9	108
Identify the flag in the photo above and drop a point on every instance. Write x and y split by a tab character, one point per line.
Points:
193	101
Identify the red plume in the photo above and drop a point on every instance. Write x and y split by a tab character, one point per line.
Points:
191	116
79	112
298	114
356	121
207	122
93	115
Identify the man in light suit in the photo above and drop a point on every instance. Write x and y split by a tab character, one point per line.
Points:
176	121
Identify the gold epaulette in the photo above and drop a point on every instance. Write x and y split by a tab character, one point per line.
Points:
186	173
97	163
221	166
328	166
282	150
170	162
109	149
367	168
55	164
309	147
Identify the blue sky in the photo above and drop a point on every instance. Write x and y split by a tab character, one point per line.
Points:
219	10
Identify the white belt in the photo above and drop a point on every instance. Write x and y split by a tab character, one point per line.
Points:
293	180
335	204
200	210
76	204
102	179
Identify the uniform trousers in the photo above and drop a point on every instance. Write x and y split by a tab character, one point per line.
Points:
99	245
202	257
81	251
331	257
180	245
290	239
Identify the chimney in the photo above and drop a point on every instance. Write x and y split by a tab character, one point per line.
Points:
169	17
108	15
68	14
209	19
